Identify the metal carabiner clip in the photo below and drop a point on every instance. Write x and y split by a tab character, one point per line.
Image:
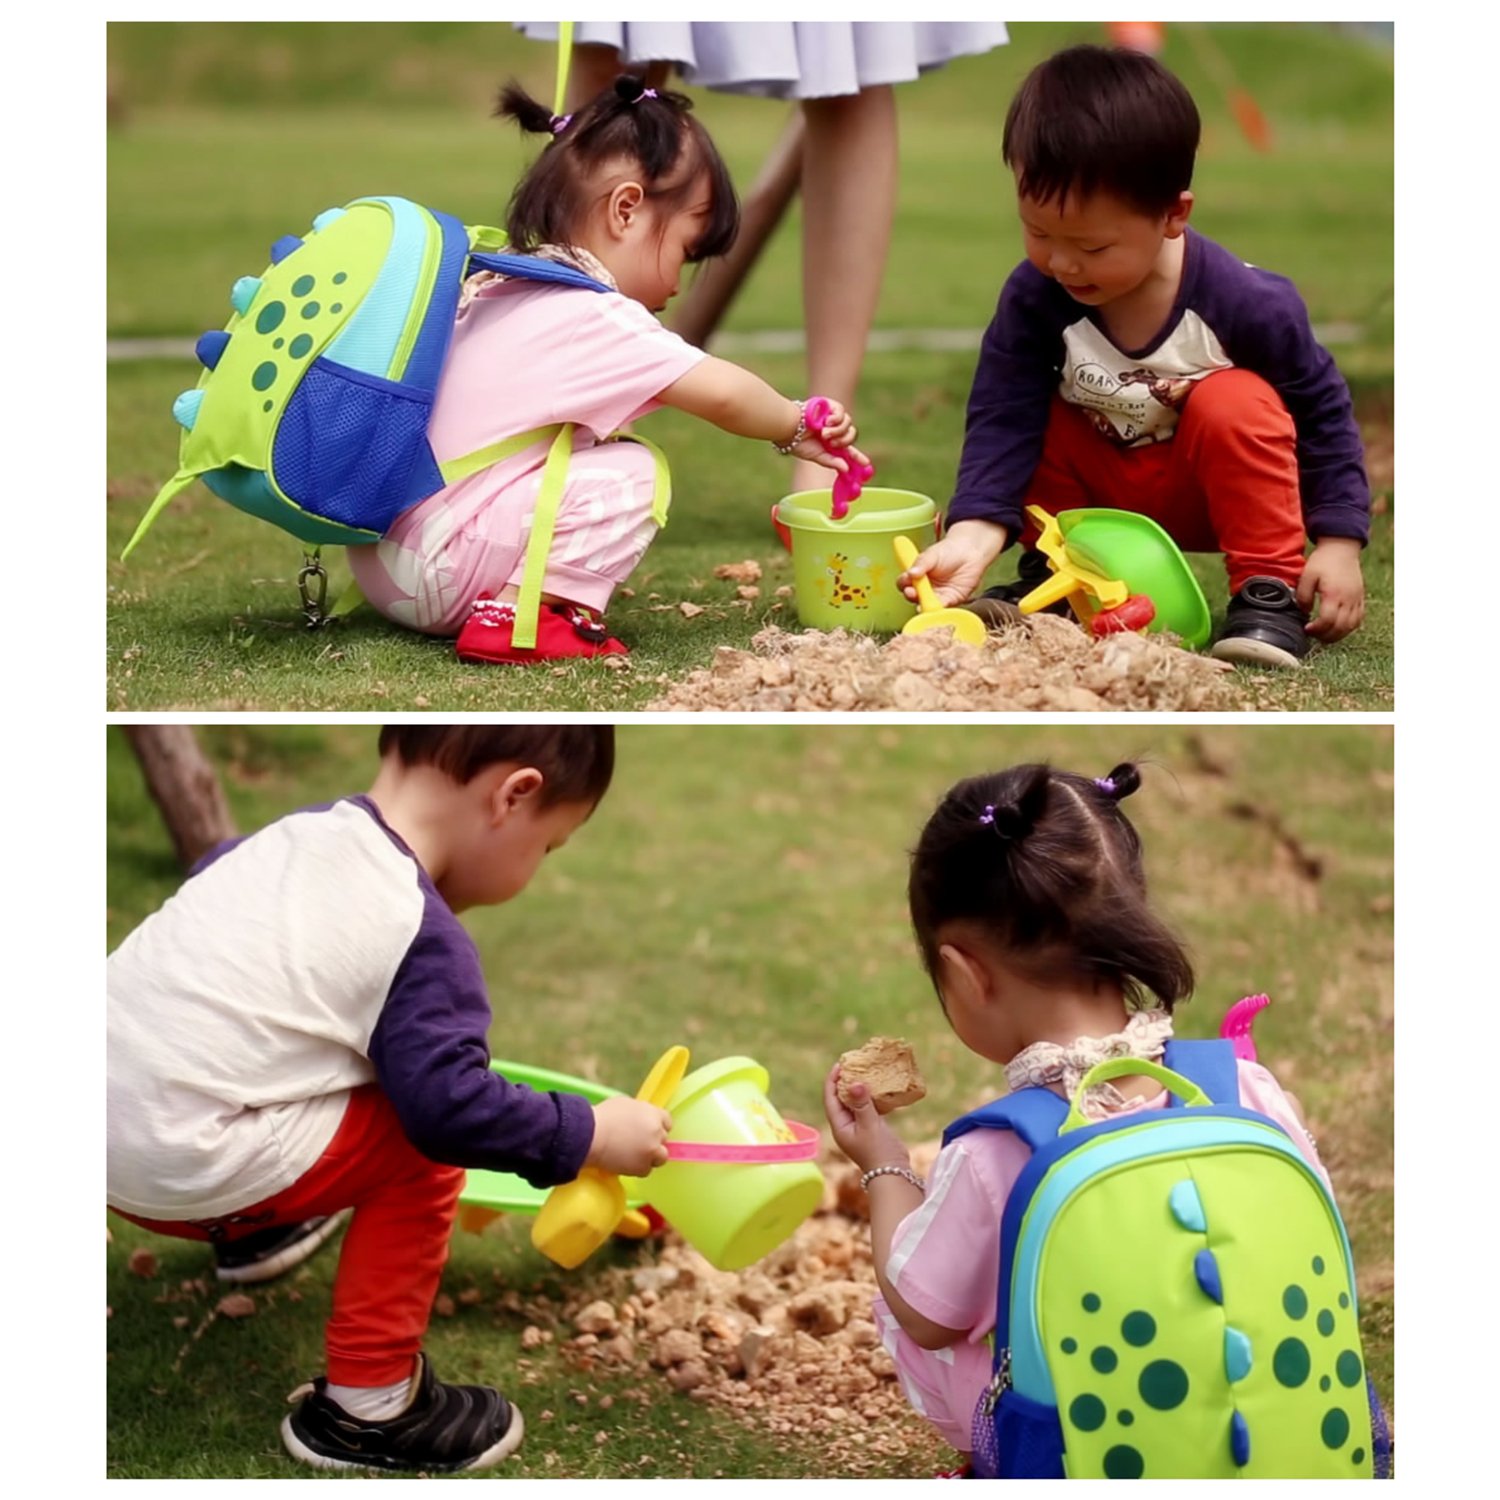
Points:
312	586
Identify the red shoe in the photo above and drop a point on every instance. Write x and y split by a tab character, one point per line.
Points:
562	630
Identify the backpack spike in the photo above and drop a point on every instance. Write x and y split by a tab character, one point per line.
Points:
185	407
243	293
210	347
284	247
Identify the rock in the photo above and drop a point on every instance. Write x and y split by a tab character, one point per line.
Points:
142	1263
675	1346
236	1305
598	1317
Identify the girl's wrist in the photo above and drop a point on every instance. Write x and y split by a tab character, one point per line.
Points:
797	436
900	1169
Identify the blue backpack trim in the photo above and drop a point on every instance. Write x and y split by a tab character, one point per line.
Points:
509	263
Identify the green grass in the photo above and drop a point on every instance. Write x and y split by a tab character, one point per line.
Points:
743	891
311	115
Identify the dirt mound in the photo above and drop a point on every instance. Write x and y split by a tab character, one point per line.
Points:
787	1344
1044	663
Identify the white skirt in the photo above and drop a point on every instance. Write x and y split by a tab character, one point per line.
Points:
787	59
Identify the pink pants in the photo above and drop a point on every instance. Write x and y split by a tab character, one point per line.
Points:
470	539
943	1385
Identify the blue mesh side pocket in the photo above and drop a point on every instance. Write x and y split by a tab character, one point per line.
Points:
1022	1440
353	447
1380	1434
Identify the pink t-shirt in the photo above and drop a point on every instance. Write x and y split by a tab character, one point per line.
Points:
945	1255
523	355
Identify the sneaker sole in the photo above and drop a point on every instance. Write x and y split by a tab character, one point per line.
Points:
486	1460
282	1262
1245	650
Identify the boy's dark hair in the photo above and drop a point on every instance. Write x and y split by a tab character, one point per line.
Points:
1093	119
1049	867
578	760
659	134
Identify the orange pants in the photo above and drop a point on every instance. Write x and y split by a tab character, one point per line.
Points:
1226	482
394	1249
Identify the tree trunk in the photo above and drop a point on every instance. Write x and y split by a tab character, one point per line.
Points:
184	786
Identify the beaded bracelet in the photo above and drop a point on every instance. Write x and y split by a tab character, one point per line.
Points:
799	434
892	1171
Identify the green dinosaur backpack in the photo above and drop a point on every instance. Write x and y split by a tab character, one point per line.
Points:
1176	1295
311	411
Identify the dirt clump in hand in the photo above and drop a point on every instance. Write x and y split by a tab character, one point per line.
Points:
888	1068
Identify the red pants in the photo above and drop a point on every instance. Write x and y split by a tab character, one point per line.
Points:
393	1251
1226	482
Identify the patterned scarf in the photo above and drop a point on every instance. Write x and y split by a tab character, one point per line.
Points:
1043	1064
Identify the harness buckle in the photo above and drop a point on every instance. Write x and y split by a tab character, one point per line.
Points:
312	588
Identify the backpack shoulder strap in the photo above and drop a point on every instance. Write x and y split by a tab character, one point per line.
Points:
1035	1114
532	268
1209	1064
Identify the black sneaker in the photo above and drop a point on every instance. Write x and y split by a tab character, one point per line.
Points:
1264	626
998	606
444	1428
268	1253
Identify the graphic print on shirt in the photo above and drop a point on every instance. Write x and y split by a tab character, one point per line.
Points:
1133	401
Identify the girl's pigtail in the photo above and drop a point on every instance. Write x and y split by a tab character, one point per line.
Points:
1120	782
1020	810
514	103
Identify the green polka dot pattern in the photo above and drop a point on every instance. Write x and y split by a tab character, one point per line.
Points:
1087	1413
1255	1374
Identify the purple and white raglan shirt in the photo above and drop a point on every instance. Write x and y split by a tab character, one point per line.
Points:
294	965
1227	315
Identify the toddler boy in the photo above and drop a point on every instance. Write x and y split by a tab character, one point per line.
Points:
303	1028
1135	364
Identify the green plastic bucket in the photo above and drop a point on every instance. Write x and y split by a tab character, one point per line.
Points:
733	1215
845	571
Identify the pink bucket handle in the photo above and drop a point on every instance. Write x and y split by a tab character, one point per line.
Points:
1237	1024
848	485
803	1148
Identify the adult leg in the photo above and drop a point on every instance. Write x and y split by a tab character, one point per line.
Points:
595	67
849	179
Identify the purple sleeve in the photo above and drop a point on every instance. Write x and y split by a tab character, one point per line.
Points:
1263	326
1020	365
432	1059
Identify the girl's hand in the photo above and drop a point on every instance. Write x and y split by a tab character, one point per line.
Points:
861	1133
1333	579
630	1136
955	566
839	431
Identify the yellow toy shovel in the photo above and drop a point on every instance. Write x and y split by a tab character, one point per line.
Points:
579	1216
965	625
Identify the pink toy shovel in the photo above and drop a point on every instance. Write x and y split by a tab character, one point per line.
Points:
1238	1021
848	485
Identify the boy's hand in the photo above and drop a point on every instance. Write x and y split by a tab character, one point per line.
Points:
955	566
630	1136
1333	579
861	1133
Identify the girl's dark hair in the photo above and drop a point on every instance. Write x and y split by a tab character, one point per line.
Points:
577	760
1049	867
1102	118
660	135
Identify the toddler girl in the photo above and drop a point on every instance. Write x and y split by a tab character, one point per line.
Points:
627	190
1028	900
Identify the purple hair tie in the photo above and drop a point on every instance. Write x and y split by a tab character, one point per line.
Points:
988	815
1105	784
560	123
644	94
